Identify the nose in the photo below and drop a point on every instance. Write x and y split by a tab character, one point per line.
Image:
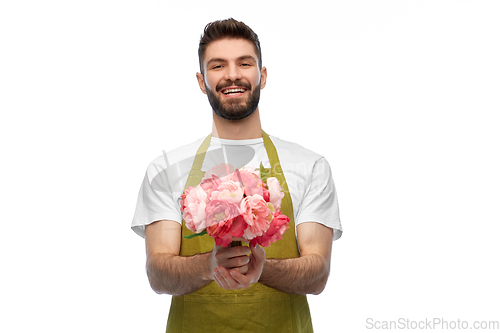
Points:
233	72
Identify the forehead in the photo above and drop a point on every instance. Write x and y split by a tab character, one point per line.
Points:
229	49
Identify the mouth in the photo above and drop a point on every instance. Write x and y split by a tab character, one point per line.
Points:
233	91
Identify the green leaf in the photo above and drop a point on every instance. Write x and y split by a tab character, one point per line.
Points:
196	235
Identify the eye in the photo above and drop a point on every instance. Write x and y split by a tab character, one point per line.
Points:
246	64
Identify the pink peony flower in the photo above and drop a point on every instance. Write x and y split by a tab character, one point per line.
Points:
220	170
193	204
228	191
235	205
251	183
239	226
276	194
224	231
221	211
279	225
256	214
221	215
266	194
243	175
210	184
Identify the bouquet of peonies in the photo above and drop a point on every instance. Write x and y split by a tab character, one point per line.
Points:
241	205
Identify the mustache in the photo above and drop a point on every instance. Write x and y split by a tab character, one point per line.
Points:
235	83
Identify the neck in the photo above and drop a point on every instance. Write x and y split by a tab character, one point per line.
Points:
244	129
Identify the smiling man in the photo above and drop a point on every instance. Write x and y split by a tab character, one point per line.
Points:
233	82
238	288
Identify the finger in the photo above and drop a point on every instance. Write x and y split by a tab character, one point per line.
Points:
216	276
245	280
226	280
236	262
219	278
232	258
242	269
239	251
258	257
258	251
223	253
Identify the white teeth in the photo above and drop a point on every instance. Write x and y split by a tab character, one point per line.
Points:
237	90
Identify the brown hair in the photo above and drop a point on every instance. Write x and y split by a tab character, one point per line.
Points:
229	28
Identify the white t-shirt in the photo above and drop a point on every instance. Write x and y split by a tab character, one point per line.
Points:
307	174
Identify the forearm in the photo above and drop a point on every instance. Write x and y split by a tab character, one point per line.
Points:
304	275
177	275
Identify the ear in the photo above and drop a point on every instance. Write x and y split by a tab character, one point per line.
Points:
263	77
201	82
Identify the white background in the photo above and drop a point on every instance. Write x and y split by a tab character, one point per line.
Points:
401	97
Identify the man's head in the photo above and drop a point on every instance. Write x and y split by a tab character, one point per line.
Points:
231	69
229	28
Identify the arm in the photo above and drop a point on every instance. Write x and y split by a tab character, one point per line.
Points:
170	273
304	275
307	274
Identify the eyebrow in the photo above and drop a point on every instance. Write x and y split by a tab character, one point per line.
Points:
245	57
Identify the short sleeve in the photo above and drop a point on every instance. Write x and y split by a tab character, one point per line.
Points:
320	203
155	201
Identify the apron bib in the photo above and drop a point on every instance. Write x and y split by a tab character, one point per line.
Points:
256	309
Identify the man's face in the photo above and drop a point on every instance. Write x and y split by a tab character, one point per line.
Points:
232	79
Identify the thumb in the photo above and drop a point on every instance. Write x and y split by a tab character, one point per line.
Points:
258	252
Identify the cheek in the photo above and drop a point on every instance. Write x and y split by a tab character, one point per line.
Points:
211	83
256	78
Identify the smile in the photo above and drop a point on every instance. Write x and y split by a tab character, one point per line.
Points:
233	92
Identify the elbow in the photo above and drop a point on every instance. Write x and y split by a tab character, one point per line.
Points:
155	281
318	290
159	281
320	284
158	287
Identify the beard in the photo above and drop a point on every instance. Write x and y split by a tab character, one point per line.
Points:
234	109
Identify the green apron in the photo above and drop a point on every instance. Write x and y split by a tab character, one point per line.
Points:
256	309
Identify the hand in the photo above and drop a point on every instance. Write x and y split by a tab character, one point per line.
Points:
234	279
231	258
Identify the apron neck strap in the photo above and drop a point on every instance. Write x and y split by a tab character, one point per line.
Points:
274	161
195	175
